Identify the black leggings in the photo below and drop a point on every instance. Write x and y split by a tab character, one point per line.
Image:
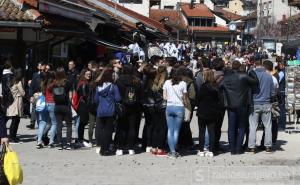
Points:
63	113
84	119
104	130
126	130
159	131
13	129
210	124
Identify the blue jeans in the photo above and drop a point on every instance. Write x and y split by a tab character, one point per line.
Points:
175	115
50	108
206	143
237	119
77	122
42	118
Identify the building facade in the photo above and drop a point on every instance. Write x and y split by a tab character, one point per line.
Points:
235	6
140	6
273	11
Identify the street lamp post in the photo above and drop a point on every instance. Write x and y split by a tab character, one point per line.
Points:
232	29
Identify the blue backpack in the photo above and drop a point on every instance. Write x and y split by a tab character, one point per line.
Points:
40	104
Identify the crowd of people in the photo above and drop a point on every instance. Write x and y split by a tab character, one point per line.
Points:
111	98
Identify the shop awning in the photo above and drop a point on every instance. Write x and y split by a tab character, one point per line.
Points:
16	24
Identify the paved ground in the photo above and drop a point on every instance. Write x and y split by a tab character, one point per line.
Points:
84	167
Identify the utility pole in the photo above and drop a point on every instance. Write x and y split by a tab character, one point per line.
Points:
288	25
260	22
178	19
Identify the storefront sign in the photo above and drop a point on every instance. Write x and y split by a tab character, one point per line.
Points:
294	62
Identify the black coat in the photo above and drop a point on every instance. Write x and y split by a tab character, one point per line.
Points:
235	88
35	85
209	103
3	132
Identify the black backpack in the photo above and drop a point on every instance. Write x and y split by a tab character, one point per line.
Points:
92	106
60	95
130	97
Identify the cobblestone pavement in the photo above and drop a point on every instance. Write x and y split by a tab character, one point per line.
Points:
85	167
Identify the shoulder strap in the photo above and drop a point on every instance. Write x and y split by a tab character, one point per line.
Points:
177	94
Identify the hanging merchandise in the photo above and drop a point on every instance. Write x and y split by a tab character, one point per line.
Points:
292	89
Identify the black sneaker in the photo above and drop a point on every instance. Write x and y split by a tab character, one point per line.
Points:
262	147
39	146
15	141
68	146
106	153
51	145
251	150
31	127
60	147
269	150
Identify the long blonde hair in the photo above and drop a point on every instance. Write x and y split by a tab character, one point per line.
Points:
160	78
209	76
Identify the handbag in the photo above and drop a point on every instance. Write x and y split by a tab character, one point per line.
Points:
3	178
119	108
187	108
12	167
40	105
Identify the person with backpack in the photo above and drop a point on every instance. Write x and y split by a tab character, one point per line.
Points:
62	94
82	106
41	114
15	110
175	93
106	98
159	120
35	87
219	76
185	137
208	112
92	107
130	90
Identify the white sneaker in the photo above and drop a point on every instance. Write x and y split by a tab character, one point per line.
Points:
98	150
131	152
201	154
209	154
86	144
148	149
119	152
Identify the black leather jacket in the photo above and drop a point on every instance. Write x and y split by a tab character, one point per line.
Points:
236	87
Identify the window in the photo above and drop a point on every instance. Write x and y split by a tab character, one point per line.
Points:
209	22
191	21
203	22
169	7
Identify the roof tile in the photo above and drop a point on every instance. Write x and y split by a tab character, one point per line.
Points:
12	10
199	10
228	15
172	15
